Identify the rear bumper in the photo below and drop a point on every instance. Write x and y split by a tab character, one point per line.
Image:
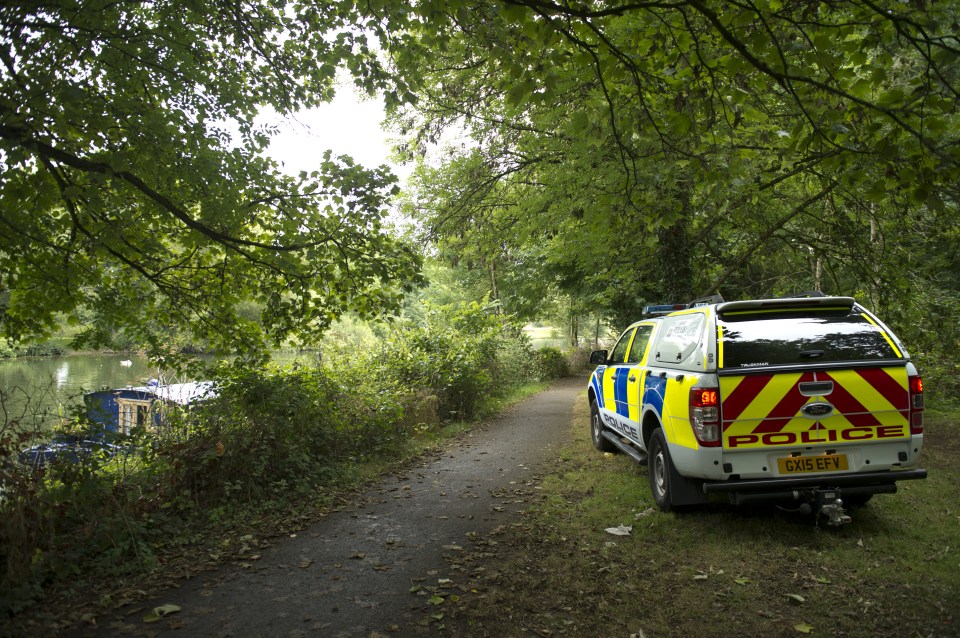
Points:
789	485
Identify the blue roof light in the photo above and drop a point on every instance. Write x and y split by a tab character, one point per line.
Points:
663	309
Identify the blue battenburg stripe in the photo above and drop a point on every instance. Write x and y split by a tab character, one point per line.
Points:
620	390
597	385
653	389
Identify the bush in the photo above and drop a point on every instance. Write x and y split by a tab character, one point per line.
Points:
550	363
460	353
579	361
41	350
275	429
272	437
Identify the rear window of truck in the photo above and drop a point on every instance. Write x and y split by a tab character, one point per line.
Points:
760	341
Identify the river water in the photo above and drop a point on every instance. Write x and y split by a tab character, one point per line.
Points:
37	391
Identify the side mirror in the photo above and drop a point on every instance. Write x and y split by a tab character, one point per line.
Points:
598	357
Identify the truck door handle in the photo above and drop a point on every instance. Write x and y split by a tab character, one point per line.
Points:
632	378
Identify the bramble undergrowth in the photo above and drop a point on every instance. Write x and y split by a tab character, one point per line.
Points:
272	440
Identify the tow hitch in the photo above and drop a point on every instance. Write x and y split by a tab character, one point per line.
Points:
826	503
829	504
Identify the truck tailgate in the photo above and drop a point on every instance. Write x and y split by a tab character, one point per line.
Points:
815	407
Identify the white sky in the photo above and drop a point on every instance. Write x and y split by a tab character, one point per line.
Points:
348	125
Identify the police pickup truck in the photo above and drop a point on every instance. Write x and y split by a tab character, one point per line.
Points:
808	400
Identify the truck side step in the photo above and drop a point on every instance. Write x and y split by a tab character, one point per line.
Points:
626	448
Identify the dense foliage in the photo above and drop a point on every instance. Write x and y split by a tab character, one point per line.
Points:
273	440
622	153
629	153
134	181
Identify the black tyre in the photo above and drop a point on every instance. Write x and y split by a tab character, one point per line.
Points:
659	470
596	430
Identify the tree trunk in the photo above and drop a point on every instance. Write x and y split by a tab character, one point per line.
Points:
494	292
673	256
574	328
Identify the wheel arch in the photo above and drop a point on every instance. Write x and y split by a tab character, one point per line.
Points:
651	422
591	394
683	491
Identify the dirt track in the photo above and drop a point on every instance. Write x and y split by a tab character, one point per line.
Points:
351	573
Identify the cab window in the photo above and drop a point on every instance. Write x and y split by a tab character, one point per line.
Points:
619	354
640	344
761	341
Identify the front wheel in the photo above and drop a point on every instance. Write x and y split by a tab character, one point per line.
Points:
659	469
596	430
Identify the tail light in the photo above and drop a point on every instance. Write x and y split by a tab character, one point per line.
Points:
705	415
916	404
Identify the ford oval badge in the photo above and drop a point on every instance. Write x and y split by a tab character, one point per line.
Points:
817	410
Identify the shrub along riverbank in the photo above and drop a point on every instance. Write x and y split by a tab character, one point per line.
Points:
274	445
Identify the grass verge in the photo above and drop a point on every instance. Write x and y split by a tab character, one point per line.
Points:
718	570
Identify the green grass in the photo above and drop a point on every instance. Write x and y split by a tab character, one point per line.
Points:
720	570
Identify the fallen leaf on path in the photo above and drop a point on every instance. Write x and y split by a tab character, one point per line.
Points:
803	628
159	612
797	598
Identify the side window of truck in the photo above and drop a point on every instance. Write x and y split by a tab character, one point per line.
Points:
619	354
639	344
679	338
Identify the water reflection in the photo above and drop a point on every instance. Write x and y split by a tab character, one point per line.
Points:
38	392
63	373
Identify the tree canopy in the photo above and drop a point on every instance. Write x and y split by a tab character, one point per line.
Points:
134	180
651	151
618	153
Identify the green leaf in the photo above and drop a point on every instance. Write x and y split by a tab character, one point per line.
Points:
680	124
160	612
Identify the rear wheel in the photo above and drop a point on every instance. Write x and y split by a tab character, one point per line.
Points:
596	430
659	470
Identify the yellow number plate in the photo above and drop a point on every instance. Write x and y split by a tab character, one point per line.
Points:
804	464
